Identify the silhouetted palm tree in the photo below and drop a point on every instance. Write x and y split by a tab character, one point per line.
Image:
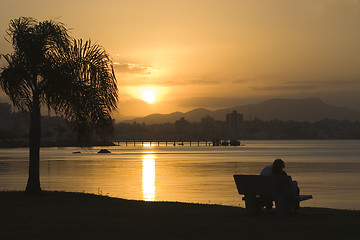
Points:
49	68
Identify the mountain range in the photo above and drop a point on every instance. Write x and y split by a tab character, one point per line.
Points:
309	110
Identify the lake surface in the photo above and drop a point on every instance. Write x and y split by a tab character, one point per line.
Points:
329	170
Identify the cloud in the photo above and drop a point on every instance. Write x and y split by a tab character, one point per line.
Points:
137	81
214	103
308	85
203	82
241	80
253	78
132	68
192	81
284	87
345	82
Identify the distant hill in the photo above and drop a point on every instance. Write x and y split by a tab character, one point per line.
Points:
310	110
158	118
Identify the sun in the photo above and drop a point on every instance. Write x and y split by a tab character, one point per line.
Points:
148	96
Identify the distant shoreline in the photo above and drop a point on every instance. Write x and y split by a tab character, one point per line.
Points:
23	144
13	144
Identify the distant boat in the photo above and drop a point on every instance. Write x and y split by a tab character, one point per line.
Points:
104	151
76	152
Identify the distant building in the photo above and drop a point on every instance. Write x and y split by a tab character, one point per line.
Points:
181	124
182	127
234	122
208	122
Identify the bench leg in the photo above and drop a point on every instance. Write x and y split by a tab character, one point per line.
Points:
282	206
251	204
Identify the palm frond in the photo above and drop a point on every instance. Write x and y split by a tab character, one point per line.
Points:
33	43
87	91
14	81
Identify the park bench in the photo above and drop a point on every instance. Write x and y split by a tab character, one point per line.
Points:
257	189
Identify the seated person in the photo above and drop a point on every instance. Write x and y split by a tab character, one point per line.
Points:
277	168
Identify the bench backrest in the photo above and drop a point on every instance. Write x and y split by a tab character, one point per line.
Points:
264	185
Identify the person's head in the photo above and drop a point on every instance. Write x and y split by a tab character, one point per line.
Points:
278	164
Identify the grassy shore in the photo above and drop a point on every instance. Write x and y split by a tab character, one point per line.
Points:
63	215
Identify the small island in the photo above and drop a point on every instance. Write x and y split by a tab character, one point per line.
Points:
104	151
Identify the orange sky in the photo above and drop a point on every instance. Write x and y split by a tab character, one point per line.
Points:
214	54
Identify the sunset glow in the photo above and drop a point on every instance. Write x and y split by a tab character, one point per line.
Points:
148	96
177	55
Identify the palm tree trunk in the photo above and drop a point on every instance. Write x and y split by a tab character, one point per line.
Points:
33	184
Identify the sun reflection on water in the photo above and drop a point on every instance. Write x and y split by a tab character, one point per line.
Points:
149	145
148	177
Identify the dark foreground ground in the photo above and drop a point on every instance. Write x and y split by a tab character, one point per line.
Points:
62	215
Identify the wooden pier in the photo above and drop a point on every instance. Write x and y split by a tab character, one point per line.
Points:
161	143
165	143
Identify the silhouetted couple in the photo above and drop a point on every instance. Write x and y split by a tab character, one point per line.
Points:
277	168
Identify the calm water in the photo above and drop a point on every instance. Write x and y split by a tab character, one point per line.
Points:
329	170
